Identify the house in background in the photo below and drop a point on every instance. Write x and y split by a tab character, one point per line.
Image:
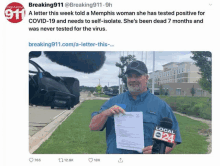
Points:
177	79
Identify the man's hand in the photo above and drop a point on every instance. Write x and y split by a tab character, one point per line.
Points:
114	110
147	150
168	149
99	120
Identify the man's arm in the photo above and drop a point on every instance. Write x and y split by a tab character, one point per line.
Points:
98	121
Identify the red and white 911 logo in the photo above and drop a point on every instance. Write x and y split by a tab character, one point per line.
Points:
164	136
14	12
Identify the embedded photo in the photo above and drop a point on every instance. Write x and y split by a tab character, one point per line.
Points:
120	102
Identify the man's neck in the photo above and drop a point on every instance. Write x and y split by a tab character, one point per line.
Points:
135	94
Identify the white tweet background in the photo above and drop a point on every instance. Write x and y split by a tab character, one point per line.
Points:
125	37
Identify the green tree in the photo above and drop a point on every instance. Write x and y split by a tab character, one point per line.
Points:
192	91
203	59
167	93
124	61
161	90
99	88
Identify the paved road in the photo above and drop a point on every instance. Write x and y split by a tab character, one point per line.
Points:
40	116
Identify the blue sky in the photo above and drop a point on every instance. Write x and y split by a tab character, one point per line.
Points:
109	72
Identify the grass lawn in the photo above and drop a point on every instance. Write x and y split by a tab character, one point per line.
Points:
192	142
74	135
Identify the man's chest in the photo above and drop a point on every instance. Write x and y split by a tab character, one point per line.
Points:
150	111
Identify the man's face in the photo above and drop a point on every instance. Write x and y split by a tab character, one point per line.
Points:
136	83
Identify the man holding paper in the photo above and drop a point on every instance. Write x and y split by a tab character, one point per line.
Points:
122	116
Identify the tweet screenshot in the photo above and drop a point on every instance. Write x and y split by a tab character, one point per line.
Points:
109	82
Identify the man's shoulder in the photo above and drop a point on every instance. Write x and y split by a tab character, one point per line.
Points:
157	103
154	98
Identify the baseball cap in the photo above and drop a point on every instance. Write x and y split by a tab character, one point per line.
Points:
137	66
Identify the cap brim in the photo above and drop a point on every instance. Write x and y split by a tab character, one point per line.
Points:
139	71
